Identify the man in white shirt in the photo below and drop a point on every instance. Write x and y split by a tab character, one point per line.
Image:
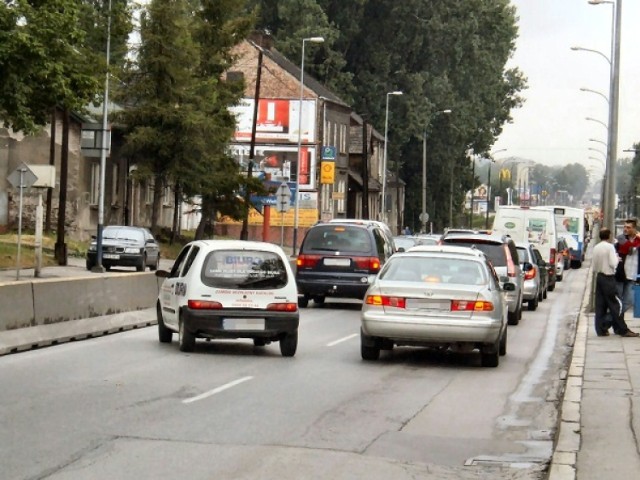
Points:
605	261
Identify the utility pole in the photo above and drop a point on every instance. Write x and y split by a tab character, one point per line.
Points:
365	170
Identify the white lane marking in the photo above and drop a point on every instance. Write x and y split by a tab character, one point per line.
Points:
348	337
217	390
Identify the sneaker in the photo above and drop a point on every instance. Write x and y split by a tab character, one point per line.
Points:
629	333
603	334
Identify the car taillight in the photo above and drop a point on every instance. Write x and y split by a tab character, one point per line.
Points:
471	306
511	267
283	307
307	261
552	261
530	274
367	263
204	305
385	301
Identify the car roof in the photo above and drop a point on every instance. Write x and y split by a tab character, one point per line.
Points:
237	245
445	249
484	237
359	221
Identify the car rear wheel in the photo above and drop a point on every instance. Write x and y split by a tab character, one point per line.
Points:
490	356
503	343
532	304
512	318
369	348
164	334
552	286
186	340
289	344
259	342
319	299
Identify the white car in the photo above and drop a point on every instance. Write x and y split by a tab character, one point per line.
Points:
443	296
229	289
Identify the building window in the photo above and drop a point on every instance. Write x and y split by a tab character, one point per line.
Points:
167	196
94	188
148	192
342	189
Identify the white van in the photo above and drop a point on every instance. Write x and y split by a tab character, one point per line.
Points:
534	225
571	221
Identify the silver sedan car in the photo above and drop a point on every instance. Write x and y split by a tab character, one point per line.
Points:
443	296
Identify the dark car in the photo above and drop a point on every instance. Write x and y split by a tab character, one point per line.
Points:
124	246
336	260
503	255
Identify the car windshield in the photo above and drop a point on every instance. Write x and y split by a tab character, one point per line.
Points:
244	269
334	238
495	252
433	270
404	242
126	234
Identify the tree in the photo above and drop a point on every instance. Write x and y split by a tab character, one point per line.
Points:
44	62
177	118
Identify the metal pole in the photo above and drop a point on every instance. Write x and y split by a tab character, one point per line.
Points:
614	95
22	171
384	161
423	217
486	220
98	267
473	178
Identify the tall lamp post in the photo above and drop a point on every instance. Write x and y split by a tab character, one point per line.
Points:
98	267
423	216
296	213
614	97
383	212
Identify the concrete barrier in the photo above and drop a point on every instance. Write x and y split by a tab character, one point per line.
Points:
35	303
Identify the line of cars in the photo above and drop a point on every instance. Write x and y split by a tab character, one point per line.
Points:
459	293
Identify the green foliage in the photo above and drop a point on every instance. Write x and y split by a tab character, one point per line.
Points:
177	117
45	61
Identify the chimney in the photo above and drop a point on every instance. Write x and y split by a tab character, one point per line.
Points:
262	39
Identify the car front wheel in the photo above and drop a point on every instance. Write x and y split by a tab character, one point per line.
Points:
142	265
164	334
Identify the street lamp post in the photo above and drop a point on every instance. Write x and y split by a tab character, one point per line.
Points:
423	216
383	212
98	267
491	161
296	214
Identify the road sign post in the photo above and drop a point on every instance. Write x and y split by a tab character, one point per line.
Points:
283	204
21	178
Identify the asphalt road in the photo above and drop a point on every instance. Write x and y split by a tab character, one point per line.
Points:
125	406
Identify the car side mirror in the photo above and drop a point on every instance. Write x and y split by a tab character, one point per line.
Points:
162	273
400	249
509	287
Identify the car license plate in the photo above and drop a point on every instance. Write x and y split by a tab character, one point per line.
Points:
424	304
111	256
337	262
243	323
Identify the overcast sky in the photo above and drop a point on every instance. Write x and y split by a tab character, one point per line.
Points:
551	127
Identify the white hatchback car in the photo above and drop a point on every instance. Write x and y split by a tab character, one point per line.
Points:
229	289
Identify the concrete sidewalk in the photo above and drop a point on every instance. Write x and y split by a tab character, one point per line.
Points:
600	418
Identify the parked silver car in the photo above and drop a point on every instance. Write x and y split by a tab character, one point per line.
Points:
436	296
532	285
125	246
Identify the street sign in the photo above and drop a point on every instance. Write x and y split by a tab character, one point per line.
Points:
424	217
283	198
328	153
22	177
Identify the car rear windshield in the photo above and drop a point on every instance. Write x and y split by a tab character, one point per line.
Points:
523	253
244	269
434	270
334	238
495	252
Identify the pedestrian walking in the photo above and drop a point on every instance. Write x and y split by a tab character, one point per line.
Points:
604	262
